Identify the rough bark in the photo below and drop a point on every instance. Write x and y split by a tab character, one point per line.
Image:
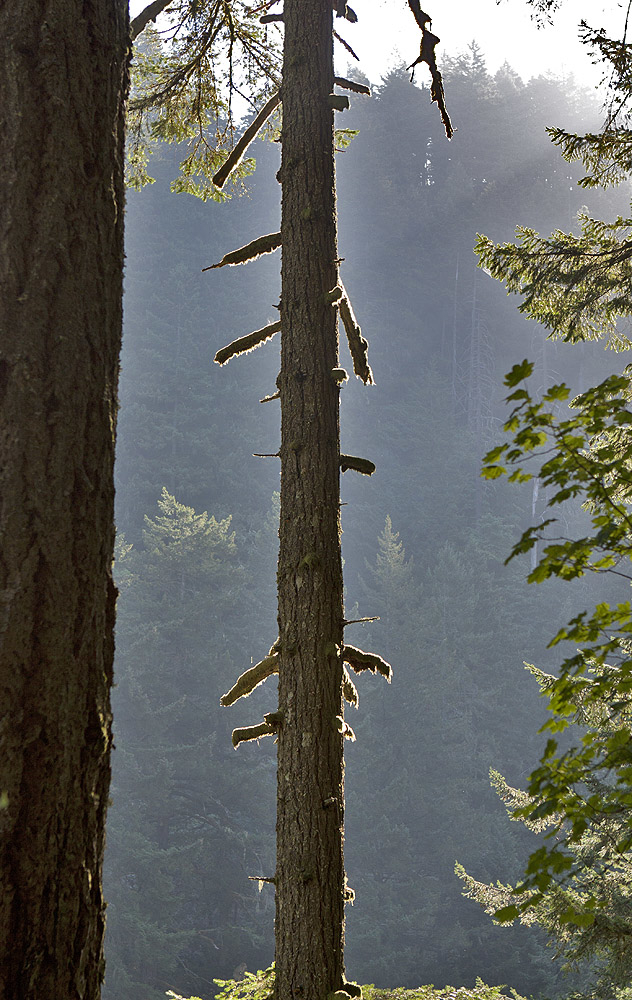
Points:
63	79
310	870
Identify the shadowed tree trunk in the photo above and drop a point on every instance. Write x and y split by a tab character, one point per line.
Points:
63	79
310	870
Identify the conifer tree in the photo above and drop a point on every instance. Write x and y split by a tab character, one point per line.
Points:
578	286
63	76
310	655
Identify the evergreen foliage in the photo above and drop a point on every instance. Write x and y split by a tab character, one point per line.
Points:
588	917
184	84
453	621
578	286
259	986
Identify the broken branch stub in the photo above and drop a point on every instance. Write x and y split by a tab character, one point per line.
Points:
362	465
251	733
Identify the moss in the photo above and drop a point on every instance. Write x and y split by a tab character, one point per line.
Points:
359	660
250	251
251	733
349	690
358	346
251	679
246	344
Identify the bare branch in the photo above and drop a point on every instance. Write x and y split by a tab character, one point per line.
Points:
150	13
237	153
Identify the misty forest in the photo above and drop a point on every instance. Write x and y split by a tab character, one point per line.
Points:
478	291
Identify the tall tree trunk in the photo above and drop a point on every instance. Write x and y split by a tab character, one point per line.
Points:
310	869
63	79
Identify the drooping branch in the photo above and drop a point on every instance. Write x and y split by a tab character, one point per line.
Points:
251	733
362	465
358	346
150	13
427	55
349	689
246	344
256	248
251	679
346	45
359	661
236	154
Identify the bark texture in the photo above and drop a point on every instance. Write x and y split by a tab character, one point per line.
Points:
310	869
63	79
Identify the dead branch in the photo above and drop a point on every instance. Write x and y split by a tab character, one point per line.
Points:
236	154
246	344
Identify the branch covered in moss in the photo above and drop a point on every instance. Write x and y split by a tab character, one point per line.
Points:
359	661
251	733
251	679
256	248
363	465
236	154
358	346
248	343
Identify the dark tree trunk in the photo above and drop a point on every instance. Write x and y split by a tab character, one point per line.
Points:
63	79
310	869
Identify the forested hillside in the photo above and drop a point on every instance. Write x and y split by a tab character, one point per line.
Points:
424	543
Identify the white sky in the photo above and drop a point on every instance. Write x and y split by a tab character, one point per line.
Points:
504	31
386	33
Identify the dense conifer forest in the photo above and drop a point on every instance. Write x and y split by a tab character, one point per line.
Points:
424	544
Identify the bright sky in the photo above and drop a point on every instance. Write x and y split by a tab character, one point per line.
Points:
503	30
386	33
